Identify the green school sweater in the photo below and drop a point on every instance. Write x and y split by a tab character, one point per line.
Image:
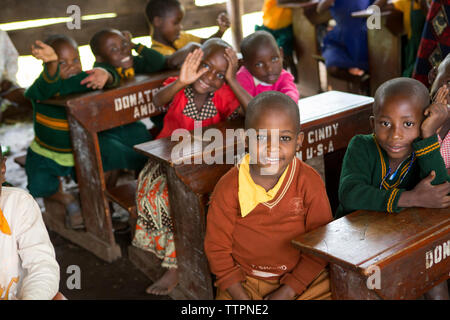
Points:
365	168
51	127
147	61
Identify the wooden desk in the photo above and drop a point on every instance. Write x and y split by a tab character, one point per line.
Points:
329	121
304	22
410	248
385	50
89	114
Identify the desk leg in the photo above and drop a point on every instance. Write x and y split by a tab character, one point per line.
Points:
189	216
98	237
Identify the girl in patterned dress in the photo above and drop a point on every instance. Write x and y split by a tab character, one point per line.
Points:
199	94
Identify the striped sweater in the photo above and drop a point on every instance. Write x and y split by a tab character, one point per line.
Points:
364	184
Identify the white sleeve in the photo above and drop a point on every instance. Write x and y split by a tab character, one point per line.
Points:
37	254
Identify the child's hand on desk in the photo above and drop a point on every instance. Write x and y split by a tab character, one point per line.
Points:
97	78
233	64
426	195
436	114
190	71
284	292
43	52
223	22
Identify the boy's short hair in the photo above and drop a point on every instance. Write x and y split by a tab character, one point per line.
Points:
95	41
271	99
54	39
255	40
159	8
407	87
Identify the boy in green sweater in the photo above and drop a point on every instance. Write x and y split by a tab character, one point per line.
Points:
400	164
50	154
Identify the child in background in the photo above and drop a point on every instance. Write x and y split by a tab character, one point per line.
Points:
258	207
345	47
439	92
263	66
414	13
399	165
50	155
278	22
198	94
164	18
29	269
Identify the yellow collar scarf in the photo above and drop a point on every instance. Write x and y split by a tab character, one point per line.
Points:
251	194
125	74
4	226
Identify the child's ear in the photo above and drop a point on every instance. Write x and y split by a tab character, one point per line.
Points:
299	143
432	75
372	122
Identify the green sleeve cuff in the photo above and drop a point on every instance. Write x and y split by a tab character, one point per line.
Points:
47	77
426	146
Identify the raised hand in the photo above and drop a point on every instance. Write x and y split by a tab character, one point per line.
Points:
436	114
43	52
97	78
190	70
223	22
233	64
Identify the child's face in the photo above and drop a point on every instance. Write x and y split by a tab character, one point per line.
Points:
214	78
68	59
265	63
115	50
442	78
396	126
170	26
272	158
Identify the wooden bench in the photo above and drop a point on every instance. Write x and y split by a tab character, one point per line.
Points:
89	114
375	255
328	120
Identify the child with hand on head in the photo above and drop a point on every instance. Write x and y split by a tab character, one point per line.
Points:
50	155
164	18
399	165
440	92
199	94
29	269
259	206
263	66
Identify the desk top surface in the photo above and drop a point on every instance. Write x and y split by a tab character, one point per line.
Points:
314	108
365	238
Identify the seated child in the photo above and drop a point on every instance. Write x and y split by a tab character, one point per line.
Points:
278	21
440	88
164	18
199	94
29	269
399	165
259	206
263	66
414	13
345	47
50	154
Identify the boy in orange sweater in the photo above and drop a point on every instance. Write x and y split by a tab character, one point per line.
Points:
258	207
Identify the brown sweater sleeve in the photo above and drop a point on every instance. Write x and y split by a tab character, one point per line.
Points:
222	214
318	213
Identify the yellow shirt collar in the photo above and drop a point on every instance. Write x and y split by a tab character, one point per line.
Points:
4	226
251	194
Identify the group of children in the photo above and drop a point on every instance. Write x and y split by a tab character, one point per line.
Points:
270	196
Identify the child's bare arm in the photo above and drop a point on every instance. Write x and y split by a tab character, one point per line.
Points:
237	292
189	73
241	94
97	79
436	115
426	195
44	52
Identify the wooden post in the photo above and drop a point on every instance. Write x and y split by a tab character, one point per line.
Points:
235	11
